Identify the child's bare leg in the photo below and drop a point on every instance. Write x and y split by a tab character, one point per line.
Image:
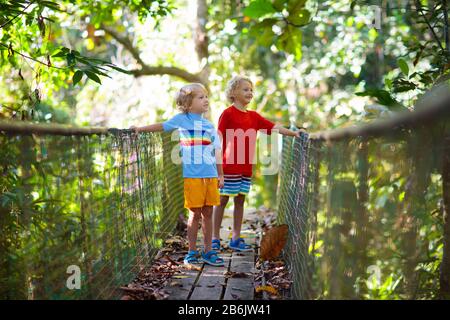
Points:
207	227
218	216
238	215
192	227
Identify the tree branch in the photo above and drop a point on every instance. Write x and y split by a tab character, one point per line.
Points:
173	71
446	36
19	14
30	58
147	70
419	9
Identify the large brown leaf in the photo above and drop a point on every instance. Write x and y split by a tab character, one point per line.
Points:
273	242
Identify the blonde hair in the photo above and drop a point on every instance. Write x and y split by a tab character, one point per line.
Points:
233	84
185	95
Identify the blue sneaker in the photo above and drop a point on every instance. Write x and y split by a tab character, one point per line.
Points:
212	258
215	244
240	245
192	257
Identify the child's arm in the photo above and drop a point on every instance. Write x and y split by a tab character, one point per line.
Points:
269	125
218	153
150	128
287	132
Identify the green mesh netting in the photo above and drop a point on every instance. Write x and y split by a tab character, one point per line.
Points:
365	216
102	203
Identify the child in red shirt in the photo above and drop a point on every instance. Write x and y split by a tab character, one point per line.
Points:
238	127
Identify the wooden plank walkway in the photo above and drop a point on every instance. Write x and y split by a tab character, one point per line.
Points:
234	281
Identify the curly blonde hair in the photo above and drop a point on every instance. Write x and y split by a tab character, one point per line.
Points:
186	94
233	84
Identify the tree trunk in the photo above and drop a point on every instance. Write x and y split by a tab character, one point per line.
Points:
201	39
362	219
444	291
85	237
415	190
446	36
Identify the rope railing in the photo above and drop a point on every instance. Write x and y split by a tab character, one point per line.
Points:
90	200
19	127
365	207
434	106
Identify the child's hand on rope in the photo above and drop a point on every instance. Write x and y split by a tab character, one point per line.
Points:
221	181
299	132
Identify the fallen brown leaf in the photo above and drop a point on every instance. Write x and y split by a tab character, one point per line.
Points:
191	267
171	260
273	242
132	289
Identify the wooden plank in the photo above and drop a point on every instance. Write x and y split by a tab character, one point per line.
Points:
209	284
242	287
242	264
181	284
211	281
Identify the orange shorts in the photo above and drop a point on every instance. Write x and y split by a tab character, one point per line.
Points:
200	192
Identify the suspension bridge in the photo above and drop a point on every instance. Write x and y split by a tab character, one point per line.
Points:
367	210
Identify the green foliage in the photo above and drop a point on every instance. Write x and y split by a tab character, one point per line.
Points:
259	8
76	201
369	222
403	66
383	97
287	16
426	21
32	45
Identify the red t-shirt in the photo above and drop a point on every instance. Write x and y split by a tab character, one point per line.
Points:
238	130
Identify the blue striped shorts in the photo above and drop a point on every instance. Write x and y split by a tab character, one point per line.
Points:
235	184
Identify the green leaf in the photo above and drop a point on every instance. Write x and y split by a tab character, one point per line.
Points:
97	71
259	8
278	5
426	79
70	57
291	41
112	66
262	31
61	53
77	77
383	97
388	83
92	76
266	38
402	85
403	66
51	5
299	18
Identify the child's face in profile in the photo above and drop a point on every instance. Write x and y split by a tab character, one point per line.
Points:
200	101
243	94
